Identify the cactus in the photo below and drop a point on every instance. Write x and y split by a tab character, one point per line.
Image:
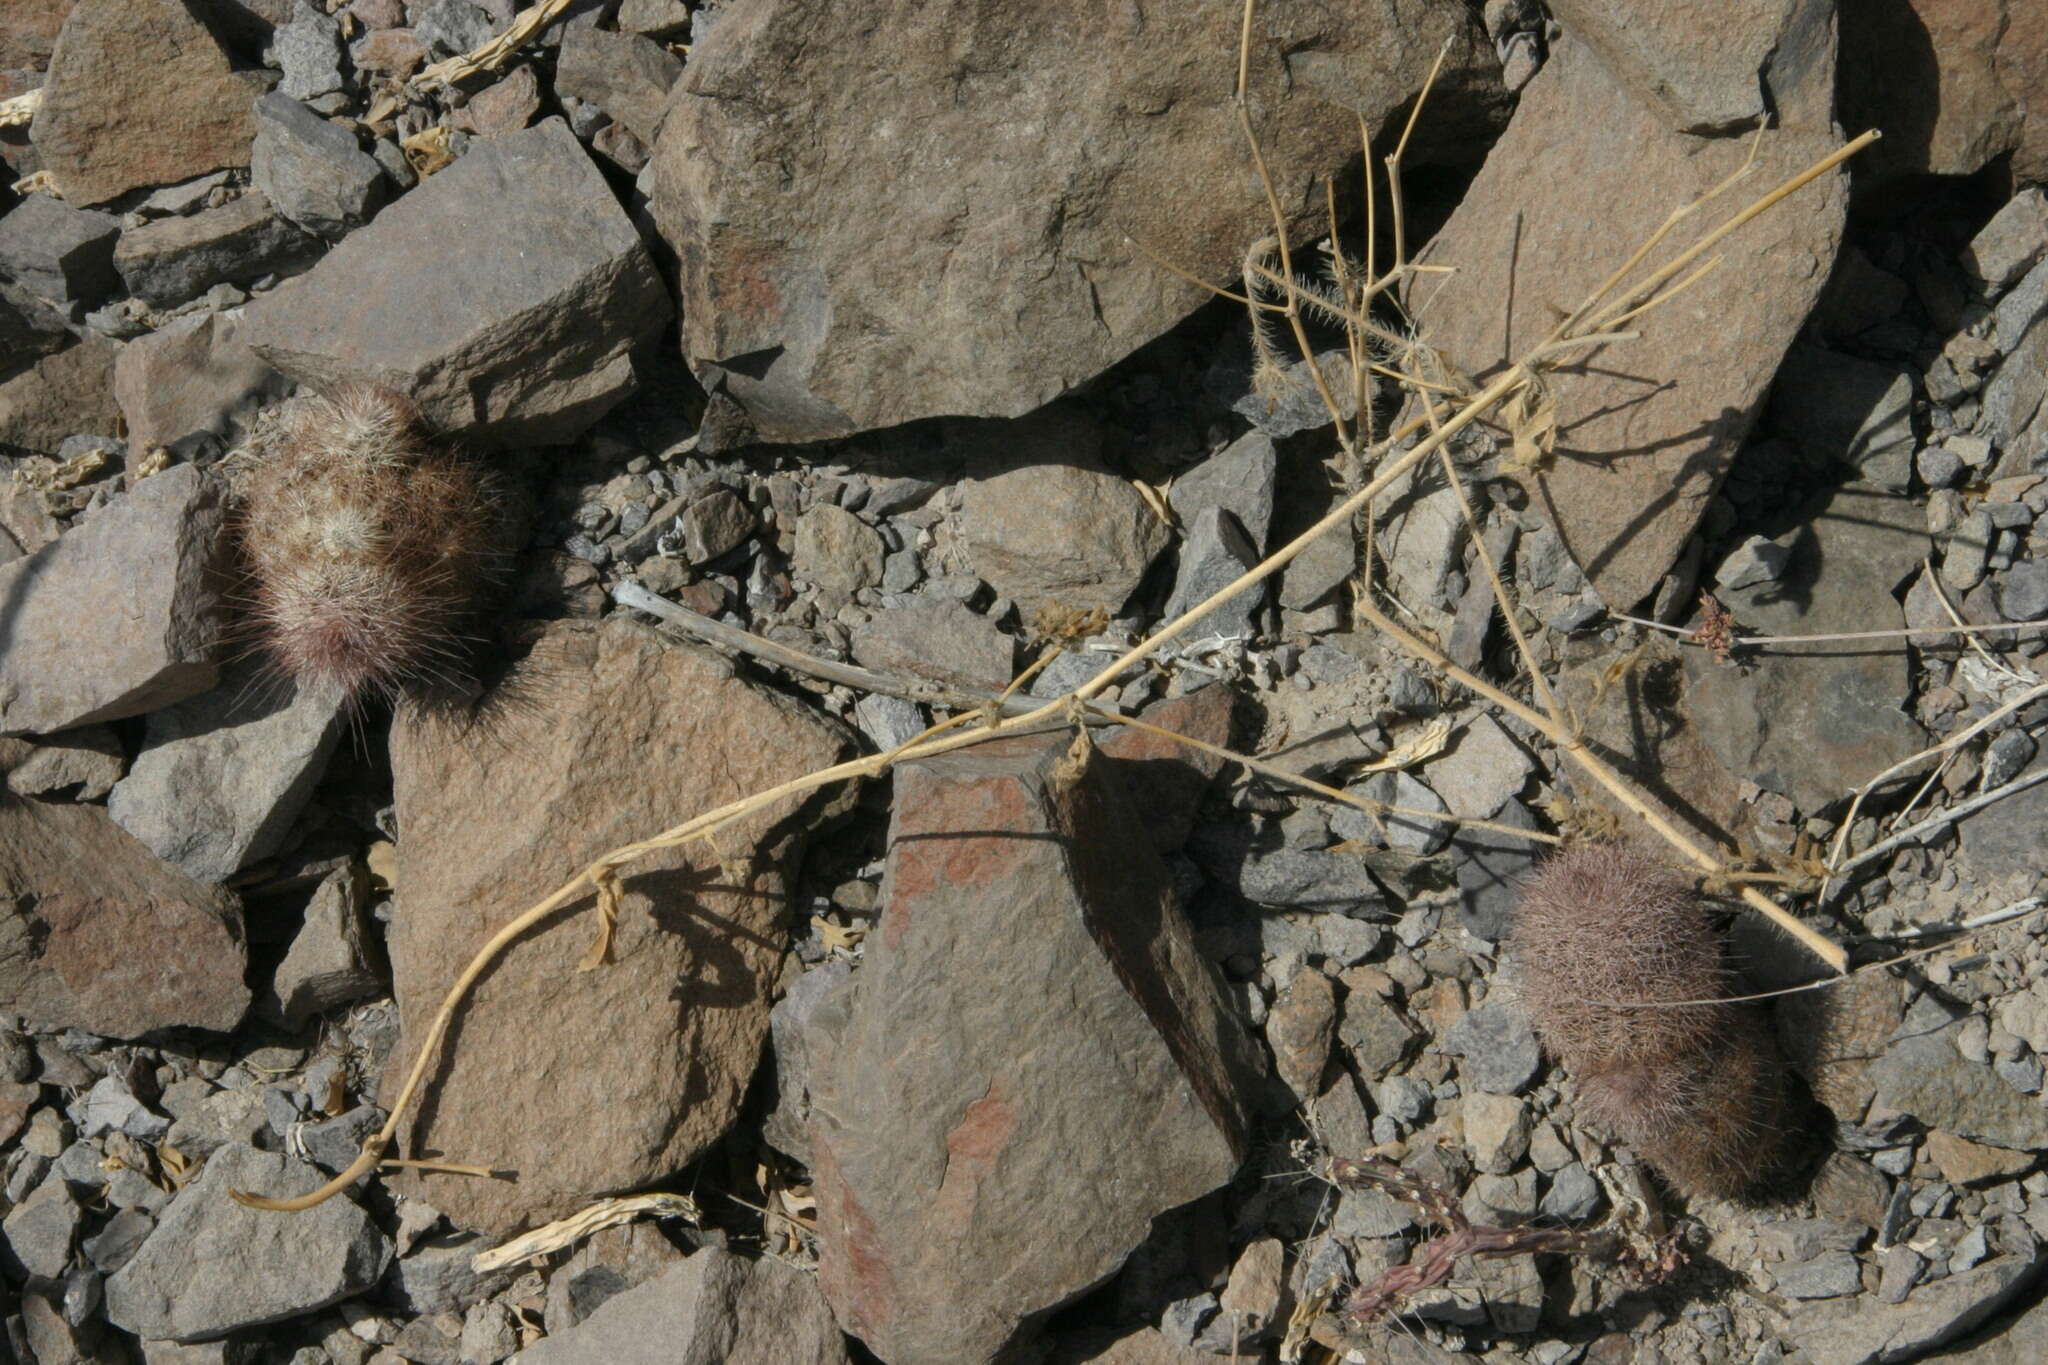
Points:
366	544
1604	936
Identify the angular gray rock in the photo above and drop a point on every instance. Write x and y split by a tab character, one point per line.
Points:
1016	166
83	763
66	659
62	254
946	642
647	1058
788	1127
96	933
1408	833
221	776
713	1309
1585	171
308	50
329	963
2010	244
311	170
1855	1331
139	93
999	1117
1239	478
1498	1047
1922	1074
1848	411
624	74
1214	553
213	1266
189	380
39	1232
1706	70
170	260
1050	527
522	337
836	550
1811	725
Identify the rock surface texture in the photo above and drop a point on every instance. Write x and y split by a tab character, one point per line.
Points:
1646	429
601	736
936	1136
524	337
994	139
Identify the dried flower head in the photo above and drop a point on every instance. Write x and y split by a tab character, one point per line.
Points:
367	544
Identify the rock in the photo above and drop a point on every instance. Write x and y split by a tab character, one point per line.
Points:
1587	163
522	337
1700	70
1215	553
788	1127
450	27
392	52
1497	1131
221	1118
111	1247
1490	868
2022	1341
944	641
624	74
2023	591
504	107
170	260
1408	833
602	1268
1812	725
660	18
62	254
1848	411
1239	479
311	170
1922	1074
713	1309
192	377
437	1275
1829	1275
1964	1162
1296	878
1482	770
60	396
1855	1331
1051	527
1573	1196
713	525
650	1056
1299	1028
1952	83
2010	244
951	1112
84	764
308	50
222	776
816	326
214	1267
1256	1293
39	1232
1166	780
1755	561
1498	1047
67	660
330	961
836	550
1376	1034
29	31
139	93
104	937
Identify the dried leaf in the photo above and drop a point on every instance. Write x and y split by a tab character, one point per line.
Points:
1532	419
1424	744
428	150
605	1213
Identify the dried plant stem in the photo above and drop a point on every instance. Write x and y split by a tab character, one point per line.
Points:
1687	636
1914	833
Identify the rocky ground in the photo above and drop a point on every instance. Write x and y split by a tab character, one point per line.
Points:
829	326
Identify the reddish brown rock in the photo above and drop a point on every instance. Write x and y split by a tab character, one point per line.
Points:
1953	84
67	657
1584	173
1015	165
189	378
603	735
28	31
1165	779
624	74
66	394
140	93
97	934
1032	1063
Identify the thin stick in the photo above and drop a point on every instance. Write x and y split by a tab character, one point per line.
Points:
1940	819
1686	635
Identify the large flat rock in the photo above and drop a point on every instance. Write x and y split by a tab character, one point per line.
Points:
139	93
1646	428
1014	164
98	934
522	285
68	658
1032	1063
604	735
